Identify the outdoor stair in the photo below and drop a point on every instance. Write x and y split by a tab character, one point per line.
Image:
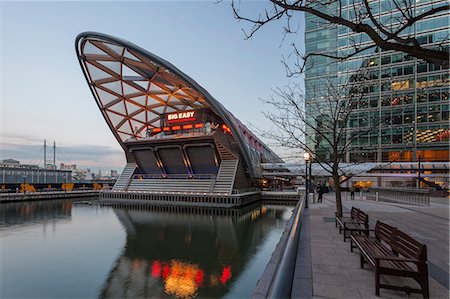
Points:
125	177
223	151
171	185
225	177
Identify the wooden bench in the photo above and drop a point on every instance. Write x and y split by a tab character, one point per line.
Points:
392	252
357	222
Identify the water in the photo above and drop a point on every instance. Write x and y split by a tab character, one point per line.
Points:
57	249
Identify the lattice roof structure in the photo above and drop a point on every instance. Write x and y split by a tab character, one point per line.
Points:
133	91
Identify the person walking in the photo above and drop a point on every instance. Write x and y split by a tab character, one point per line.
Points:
321	190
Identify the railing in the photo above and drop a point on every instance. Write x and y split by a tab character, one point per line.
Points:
245	190
284	275
409	196
277	279
174	176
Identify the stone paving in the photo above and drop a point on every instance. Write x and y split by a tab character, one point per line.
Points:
335	270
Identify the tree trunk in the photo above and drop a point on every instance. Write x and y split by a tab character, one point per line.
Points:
337	188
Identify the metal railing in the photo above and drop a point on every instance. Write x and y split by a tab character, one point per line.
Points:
411	196
284	258
245	190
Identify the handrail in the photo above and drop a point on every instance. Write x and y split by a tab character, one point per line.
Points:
282	282
174	176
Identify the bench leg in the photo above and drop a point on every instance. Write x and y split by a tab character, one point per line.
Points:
361	260
377	278
424	284
351	245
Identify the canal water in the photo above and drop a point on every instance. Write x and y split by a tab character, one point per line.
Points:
60	249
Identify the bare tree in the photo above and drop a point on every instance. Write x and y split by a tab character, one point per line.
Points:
321	126
392	32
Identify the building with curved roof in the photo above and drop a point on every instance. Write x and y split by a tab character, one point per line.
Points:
171	129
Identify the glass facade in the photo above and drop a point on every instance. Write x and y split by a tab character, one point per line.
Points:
410	96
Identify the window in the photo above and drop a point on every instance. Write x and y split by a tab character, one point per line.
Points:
434	96
422	114
408	70
422	97
386	60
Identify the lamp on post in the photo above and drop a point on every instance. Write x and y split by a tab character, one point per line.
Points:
306	157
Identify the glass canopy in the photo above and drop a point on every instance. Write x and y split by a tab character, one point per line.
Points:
133	91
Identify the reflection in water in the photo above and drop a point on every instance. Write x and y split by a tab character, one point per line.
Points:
17	213
184	255
93	251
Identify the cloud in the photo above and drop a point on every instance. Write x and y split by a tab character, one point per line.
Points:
30	150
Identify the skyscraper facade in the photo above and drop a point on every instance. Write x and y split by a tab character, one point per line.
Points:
409	96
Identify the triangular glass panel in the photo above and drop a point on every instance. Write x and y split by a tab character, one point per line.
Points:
114	118
159	109
156	123
105	97
91	49
156	88
164	97
132	107
114	86
112	65
181	107
181	93
141	116
143	84
131	56
140	100
137	126
119	108
126	71
126	128
130	90
123	136
161	80
96	73
115	48
169	109
174	101
152	115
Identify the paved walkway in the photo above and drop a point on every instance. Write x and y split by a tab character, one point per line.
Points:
335	270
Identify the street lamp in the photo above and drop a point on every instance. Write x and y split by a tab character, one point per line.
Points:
307	158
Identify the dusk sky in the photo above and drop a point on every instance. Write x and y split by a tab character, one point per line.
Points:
44	94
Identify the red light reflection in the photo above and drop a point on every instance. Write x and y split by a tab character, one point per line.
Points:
226	275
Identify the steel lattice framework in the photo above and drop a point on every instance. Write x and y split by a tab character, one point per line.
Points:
132	90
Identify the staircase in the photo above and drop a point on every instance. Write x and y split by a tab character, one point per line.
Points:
224	153
170	185
225	177
125	177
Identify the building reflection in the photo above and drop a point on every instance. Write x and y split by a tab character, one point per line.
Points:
184	255
18	213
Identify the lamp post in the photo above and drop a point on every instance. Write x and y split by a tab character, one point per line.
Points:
307	157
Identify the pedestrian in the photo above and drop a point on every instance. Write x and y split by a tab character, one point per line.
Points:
352	193
319	200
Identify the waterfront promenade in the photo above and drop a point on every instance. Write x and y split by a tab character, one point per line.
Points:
335	271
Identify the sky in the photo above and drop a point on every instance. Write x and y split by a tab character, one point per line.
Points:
44	94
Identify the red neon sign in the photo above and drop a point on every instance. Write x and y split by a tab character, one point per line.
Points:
181	116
